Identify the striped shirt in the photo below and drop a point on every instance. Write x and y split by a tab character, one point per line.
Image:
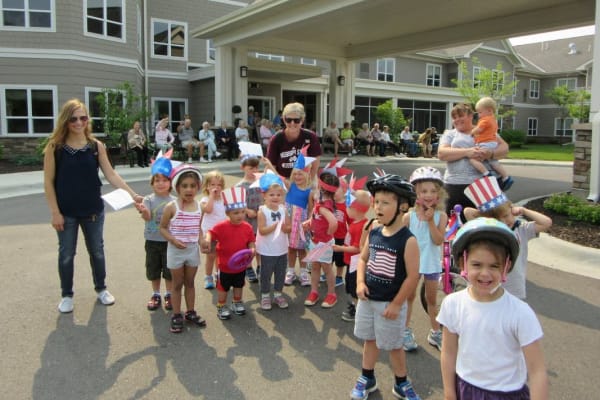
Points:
185	225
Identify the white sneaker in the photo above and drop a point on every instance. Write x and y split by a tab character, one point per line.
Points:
106	298
66	305
349	154
304	278
290	277
217	154
209	160
202	160
189	160
354	151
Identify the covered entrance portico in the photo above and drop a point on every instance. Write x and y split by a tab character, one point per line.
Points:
344	31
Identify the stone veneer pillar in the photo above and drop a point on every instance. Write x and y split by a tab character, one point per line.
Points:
583	156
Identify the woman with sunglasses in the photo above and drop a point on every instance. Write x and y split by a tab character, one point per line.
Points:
72	157
285	146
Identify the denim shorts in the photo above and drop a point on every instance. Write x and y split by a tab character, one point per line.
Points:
371	325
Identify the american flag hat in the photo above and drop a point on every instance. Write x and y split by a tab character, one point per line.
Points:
485	193
234	198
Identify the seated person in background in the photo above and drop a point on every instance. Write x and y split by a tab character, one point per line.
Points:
364	137
266	132
226	137
408	145
241	132
425	142
136	141
376	133
332	135
207	140
386	141
485	137
187	139
347	139
162	135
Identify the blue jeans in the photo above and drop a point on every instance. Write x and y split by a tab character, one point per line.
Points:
92	228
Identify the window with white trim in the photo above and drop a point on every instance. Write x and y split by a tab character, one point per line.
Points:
27	15
271	57
534	88
497	80
570	83
95	109
105	18
563	126
27	110
211	51
434	75
476	78
532	126
308	61
173	108
169	39
385	69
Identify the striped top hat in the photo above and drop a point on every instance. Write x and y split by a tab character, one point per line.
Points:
234	198
485	193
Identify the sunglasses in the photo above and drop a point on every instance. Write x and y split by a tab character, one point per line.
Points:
294	120
83	118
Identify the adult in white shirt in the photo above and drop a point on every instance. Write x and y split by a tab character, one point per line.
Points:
207	138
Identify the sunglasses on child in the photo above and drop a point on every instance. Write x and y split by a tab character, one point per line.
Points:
294	120
83	118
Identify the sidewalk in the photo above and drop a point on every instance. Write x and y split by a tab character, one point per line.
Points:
546	250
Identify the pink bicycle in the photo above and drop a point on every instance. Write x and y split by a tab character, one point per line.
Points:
450	278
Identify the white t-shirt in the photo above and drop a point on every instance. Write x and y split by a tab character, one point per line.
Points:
269	245
217	215
515	281
490	338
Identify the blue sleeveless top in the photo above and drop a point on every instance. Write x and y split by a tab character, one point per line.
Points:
77	183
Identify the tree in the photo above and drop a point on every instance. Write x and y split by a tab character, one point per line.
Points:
485	82
120	108
392	117
572	103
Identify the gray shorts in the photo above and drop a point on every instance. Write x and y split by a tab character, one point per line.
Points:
189	257
369	324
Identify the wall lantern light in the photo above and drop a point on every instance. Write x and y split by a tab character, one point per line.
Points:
341	80
243	71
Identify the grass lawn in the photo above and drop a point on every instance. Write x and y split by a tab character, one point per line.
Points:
548	152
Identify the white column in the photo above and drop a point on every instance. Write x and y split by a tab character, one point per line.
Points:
223	85
240	85
341	97
594	194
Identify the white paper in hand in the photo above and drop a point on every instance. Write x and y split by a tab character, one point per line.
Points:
249	148
118	199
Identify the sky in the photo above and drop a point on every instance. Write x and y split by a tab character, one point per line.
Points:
562	34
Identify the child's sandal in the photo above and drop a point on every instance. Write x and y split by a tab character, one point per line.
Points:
194	318
176	323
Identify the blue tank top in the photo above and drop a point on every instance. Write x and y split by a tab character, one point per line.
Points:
77	183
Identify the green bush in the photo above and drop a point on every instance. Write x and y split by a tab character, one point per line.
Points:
514	137
28	160
1	150
574	207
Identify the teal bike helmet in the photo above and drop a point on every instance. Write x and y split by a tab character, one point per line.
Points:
486	229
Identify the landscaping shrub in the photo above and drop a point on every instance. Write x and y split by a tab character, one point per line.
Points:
576	208
514	137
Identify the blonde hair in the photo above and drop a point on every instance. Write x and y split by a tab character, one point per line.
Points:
209	176
306	175
61	128
363	197
486	102
294	108
497	212
442	195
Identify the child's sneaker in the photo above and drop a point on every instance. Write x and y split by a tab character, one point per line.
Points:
349	314
66	305
209	282
330	300
154	302
435	339
409	340
223	312
280	301
238	308
194	318
363	387
322	278
312	299
168	304
304	278
251	275
290	277
176	323
405	391
265	302
339	281
507	183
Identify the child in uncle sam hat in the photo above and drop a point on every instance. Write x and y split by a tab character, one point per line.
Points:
151	210
491	202
231	236
272	240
